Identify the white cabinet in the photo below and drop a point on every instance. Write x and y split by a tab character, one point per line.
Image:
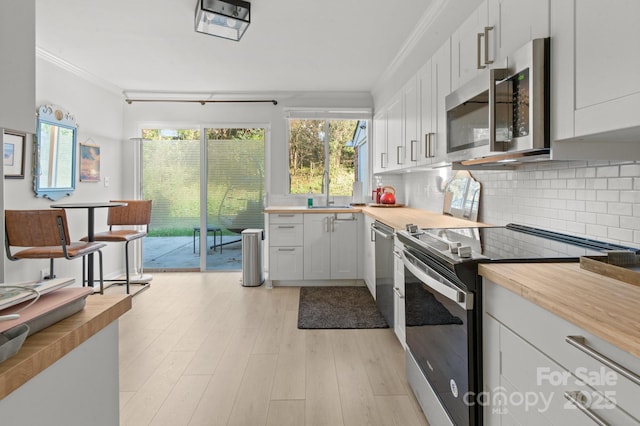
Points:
410	122
398	293
527	352
380	153
596	92
18	64
492	32
395	142
286	241
331	246
369	255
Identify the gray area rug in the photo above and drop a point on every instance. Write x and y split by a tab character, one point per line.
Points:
338	307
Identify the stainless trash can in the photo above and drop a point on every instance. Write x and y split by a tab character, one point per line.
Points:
252	257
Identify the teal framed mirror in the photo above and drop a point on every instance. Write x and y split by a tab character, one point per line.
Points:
54	154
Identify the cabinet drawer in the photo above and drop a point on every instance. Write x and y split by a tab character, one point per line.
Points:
291	234
547	332
285	218
285	263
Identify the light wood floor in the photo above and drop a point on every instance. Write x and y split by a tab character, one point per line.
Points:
200	349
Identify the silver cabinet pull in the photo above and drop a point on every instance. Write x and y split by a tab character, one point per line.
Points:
286	226
478	54
486	45
579	342
576	398
428	145
286	249
398	148
382	162
285	215
414	143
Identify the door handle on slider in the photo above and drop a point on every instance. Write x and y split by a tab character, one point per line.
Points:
396	290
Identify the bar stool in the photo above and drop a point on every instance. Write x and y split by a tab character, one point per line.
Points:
46	234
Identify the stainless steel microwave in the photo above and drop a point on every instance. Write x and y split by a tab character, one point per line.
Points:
502	115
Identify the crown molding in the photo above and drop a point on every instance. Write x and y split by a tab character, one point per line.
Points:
73	69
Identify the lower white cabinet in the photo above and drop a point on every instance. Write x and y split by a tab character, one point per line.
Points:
286	239
398	293
541	369
331	246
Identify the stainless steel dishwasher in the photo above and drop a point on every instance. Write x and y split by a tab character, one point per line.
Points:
383	237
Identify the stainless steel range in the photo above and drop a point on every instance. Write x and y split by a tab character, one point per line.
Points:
443	295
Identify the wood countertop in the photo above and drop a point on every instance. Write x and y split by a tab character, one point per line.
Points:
603	306
45	347
396	217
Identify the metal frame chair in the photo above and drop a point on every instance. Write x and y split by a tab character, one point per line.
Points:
124	226
45	233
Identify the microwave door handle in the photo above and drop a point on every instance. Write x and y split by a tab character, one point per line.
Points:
495	74
463	299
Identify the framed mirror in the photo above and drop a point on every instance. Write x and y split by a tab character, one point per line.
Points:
54	165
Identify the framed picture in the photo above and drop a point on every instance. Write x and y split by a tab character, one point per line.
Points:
89	163
14	145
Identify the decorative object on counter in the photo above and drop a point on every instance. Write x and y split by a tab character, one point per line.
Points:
11	341
388	195
54	165
338	308
310	198
385	205
462	196
356	194
89	162
14	145
620	265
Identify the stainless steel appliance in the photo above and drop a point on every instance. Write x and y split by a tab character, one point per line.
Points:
383	237
443	295
503	115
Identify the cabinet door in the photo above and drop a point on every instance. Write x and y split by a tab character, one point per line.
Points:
594	61
515	23
427	113
410	121
285	263
317	247
344	246
380	154
468	54
369	256
441	78
395	143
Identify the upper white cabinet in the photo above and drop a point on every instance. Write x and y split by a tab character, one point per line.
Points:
410	99
596	92
494	30
434	115
18	64
380	153
395	142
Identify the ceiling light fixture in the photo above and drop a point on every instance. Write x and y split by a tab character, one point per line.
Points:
223	18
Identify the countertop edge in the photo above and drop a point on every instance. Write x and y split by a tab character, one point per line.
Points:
44	348
591	306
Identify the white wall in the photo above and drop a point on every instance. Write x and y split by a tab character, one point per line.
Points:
598	199
98	113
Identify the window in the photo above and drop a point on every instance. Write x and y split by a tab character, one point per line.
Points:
317	147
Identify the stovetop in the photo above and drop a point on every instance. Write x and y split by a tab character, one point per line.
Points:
510	243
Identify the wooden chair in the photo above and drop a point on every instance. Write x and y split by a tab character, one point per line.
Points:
125	225
45	233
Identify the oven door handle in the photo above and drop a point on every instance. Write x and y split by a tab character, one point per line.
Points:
462	298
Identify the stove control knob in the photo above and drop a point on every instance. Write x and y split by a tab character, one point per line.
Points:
453	247
464	251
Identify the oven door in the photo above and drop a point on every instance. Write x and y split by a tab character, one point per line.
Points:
441	336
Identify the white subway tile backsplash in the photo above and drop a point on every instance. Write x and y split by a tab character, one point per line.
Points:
620	209
576	183
631	170
575	205
608	220
630	196
596	206
611	171
621	235
620	183
608	196
586	172
630	222
599	231
586	217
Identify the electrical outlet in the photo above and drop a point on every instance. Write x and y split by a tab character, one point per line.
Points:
44	274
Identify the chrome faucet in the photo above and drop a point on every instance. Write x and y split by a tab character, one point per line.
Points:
326	180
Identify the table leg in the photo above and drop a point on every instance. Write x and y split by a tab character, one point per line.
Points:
90	237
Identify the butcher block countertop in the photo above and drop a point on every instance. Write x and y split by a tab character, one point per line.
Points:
396	217
47	346
603	306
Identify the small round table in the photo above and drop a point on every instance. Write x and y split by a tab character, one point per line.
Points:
91	207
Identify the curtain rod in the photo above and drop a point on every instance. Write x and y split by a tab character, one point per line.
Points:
202	102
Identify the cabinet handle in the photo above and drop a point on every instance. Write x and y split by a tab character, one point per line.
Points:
286	226
286	215
486	45
414	143
382	162
398	148
576	398
478	54
373	233
396	290
579	342
428	145
286	249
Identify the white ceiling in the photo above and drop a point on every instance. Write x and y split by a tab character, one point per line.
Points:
291	45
